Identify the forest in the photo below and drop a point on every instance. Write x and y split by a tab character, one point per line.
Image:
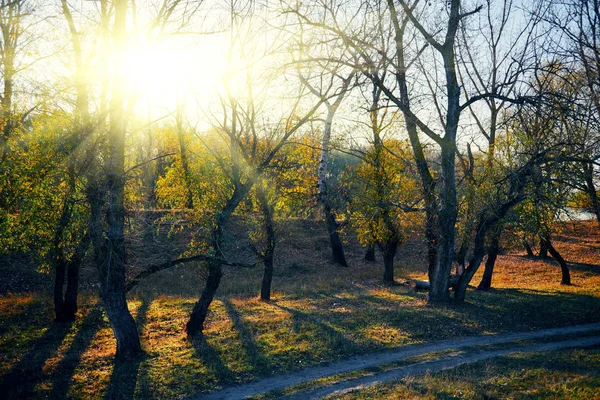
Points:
197	196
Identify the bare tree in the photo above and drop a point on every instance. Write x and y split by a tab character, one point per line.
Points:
321	68
508	56
253	141
577	47
424	70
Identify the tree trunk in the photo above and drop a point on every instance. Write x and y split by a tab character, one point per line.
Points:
543	249
265	288
446	226
72	291
370	253
427	181
112	264
460	290
59	283
449	204
591	189
486	280
11	30
337	248
59	258
389	252
528	248
195	325
564	269
73	277
461	257
486	222
267	212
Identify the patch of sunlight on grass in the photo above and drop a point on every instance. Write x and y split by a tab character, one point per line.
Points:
394	298
386	335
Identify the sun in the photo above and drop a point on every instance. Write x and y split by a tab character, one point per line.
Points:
163	74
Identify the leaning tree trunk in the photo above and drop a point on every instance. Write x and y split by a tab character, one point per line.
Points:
486	280
564	269
460	290
483	226
195	324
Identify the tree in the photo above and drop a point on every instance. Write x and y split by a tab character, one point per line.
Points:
578	49
385	192
109	251
253	141
497	81
331	78
16	39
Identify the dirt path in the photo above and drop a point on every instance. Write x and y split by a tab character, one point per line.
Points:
434	366
384	357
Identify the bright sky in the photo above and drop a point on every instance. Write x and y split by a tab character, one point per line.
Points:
168	73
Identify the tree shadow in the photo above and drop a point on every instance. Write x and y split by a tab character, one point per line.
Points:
525	309
123	379
72	357
584	267
211	358
21	380
16	318
255	355
336	340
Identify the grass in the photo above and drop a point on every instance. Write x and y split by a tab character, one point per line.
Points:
319	313
567	374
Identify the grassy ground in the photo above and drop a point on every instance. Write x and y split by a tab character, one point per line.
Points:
320	313
569	374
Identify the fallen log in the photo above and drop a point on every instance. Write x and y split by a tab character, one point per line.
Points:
423	286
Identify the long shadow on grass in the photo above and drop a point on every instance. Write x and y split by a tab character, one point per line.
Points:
255	356
18	317
584	267
72	357
213	361
337	342
524	309
21	380
123	379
